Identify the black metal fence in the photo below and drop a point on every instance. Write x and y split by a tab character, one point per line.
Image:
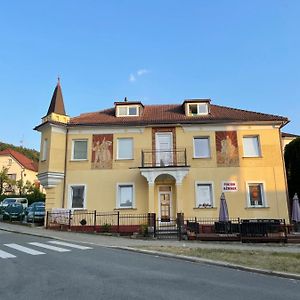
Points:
178	228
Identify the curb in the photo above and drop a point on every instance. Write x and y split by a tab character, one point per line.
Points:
175	256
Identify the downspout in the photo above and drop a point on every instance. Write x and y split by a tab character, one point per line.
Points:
65	169
284	172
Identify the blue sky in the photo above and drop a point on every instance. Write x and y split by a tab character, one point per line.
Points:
243	54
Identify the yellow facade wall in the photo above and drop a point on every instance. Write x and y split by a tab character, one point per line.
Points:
101	183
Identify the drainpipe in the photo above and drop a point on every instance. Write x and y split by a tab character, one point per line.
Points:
65	169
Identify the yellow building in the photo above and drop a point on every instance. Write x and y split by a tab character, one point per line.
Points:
164	159
19	167
287	138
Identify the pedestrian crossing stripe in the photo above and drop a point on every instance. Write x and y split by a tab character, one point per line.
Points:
70	245
50	247
27	250
4	254
24	249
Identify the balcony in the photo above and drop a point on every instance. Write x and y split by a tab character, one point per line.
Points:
164	158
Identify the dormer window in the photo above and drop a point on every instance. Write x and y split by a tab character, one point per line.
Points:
128	109
196	107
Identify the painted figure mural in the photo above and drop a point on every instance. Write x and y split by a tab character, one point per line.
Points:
227	149
102	151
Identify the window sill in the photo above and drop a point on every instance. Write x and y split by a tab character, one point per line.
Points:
43	160
204	208
124	159
250	207
252	156
78	160
125	208
208	157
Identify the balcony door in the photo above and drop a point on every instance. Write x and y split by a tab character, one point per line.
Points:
164	149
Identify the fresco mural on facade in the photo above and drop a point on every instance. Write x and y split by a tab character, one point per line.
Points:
102	151
227	149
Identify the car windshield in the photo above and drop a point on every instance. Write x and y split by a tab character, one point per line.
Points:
40	208
8	201
15	207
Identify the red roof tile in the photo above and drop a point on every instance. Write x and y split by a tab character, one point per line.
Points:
21	158
173	113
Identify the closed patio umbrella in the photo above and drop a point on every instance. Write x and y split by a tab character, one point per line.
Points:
296	209
223	213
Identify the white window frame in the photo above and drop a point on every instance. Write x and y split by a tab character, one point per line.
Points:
258	145
118	198
118	147
212	193
73	148
44	150
70	199
127	110
194	146
263	194
198	109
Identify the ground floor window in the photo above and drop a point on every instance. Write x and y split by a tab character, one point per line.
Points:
125	195
256	194
204	195
77	196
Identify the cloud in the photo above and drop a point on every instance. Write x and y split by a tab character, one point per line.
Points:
142	72
133	76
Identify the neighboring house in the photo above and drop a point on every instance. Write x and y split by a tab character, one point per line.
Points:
287	138
19	167
164	159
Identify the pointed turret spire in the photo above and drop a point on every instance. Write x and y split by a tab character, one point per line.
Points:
57	102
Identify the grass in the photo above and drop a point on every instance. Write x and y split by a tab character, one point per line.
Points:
274	261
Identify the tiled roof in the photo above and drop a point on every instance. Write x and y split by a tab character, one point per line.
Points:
21	158
173	113
285	134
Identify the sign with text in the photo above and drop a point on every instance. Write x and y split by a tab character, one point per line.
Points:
229	186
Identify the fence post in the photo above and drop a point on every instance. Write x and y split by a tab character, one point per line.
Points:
285	232
47	219
118	227
70	214
95	220
180	223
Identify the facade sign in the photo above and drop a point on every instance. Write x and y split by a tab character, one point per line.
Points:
229	186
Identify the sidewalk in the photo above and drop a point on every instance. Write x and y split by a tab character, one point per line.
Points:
113	241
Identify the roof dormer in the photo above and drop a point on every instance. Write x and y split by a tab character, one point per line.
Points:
128	108
196	107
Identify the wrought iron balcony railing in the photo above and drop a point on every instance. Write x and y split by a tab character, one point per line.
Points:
164	158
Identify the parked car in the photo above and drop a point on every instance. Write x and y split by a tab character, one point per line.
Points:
38	203
36	212
14	211
8	201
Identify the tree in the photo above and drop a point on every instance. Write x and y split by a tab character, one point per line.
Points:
4	179
292	164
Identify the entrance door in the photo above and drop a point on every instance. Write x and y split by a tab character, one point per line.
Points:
164	147
165	201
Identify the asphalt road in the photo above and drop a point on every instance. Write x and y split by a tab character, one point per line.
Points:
106	273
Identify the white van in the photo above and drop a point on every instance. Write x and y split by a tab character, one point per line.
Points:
8	201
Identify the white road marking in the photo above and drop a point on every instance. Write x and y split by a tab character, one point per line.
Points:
24	249
58	249
70	245
4	254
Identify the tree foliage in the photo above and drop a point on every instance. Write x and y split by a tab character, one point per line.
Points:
4	179
292	164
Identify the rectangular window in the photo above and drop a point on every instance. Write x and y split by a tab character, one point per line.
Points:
204	195
201	147
251	146
79	150
125	148
9	161
125	195
198	109
78	196
130	110
45	149
12	177
256	194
